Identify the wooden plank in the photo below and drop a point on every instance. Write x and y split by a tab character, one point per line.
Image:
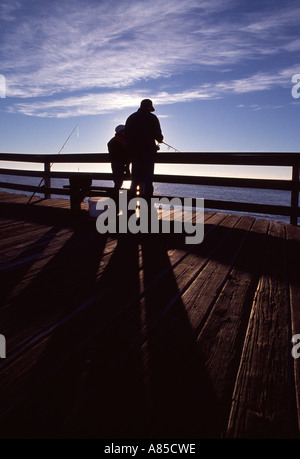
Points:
166	340
21	236
16	382
40	260
40	263
172	340
16	233
32	265
293	257
123	331
32	309
111	300
127	351
251	207
219	344
28	259
9	197
5	195
18	272
9	226
263	403
205	287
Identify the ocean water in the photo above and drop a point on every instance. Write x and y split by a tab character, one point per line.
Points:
258	196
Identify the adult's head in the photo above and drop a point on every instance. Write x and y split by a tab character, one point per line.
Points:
147	104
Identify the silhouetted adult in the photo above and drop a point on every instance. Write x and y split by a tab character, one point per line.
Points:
120	158
142	130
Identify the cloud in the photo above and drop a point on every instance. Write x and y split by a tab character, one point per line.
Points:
90	104
90	57
95	104
7	10
97	46
111	101
261	81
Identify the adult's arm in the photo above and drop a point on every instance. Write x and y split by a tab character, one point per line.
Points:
157	130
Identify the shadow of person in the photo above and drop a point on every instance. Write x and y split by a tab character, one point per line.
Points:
139	384
144	357
127	366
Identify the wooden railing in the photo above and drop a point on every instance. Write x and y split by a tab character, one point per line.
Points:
291	160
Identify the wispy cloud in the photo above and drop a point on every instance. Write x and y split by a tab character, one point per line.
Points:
69	58
110	101
91	47
7	10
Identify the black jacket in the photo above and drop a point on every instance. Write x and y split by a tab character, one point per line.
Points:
118	150
142	129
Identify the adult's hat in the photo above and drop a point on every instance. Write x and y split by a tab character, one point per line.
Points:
120	128
147	103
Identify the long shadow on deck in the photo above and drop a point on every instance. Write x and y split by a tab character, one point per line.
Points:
115	369
128	363
135	386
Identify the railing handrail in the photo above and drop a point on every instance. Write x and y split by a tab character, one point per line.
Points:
269	184
288	159
221	158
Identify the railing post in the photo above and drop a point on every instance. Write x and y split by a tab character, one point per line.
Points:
295	193
47	180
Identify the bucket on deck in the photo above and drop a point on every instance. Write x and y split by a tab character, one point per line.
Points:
93	212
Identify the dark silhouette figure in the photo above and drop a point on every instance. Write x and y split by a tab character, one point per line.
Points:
79	189
120	158
142	130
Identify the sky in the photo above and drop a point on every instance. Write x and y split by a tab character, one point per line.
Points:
222	74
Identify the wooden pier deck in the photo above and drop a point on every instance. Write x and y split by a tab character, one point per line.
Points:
143	336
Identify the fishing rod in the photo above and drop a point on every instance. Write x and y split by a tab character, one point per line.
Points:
43	178
170	146
66	141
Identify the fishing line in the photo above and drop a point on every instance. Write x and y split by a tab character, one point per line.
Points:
170	146
77	135
43	178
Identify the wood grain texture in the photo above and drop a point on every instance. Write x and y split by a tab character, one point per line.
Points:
144	336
